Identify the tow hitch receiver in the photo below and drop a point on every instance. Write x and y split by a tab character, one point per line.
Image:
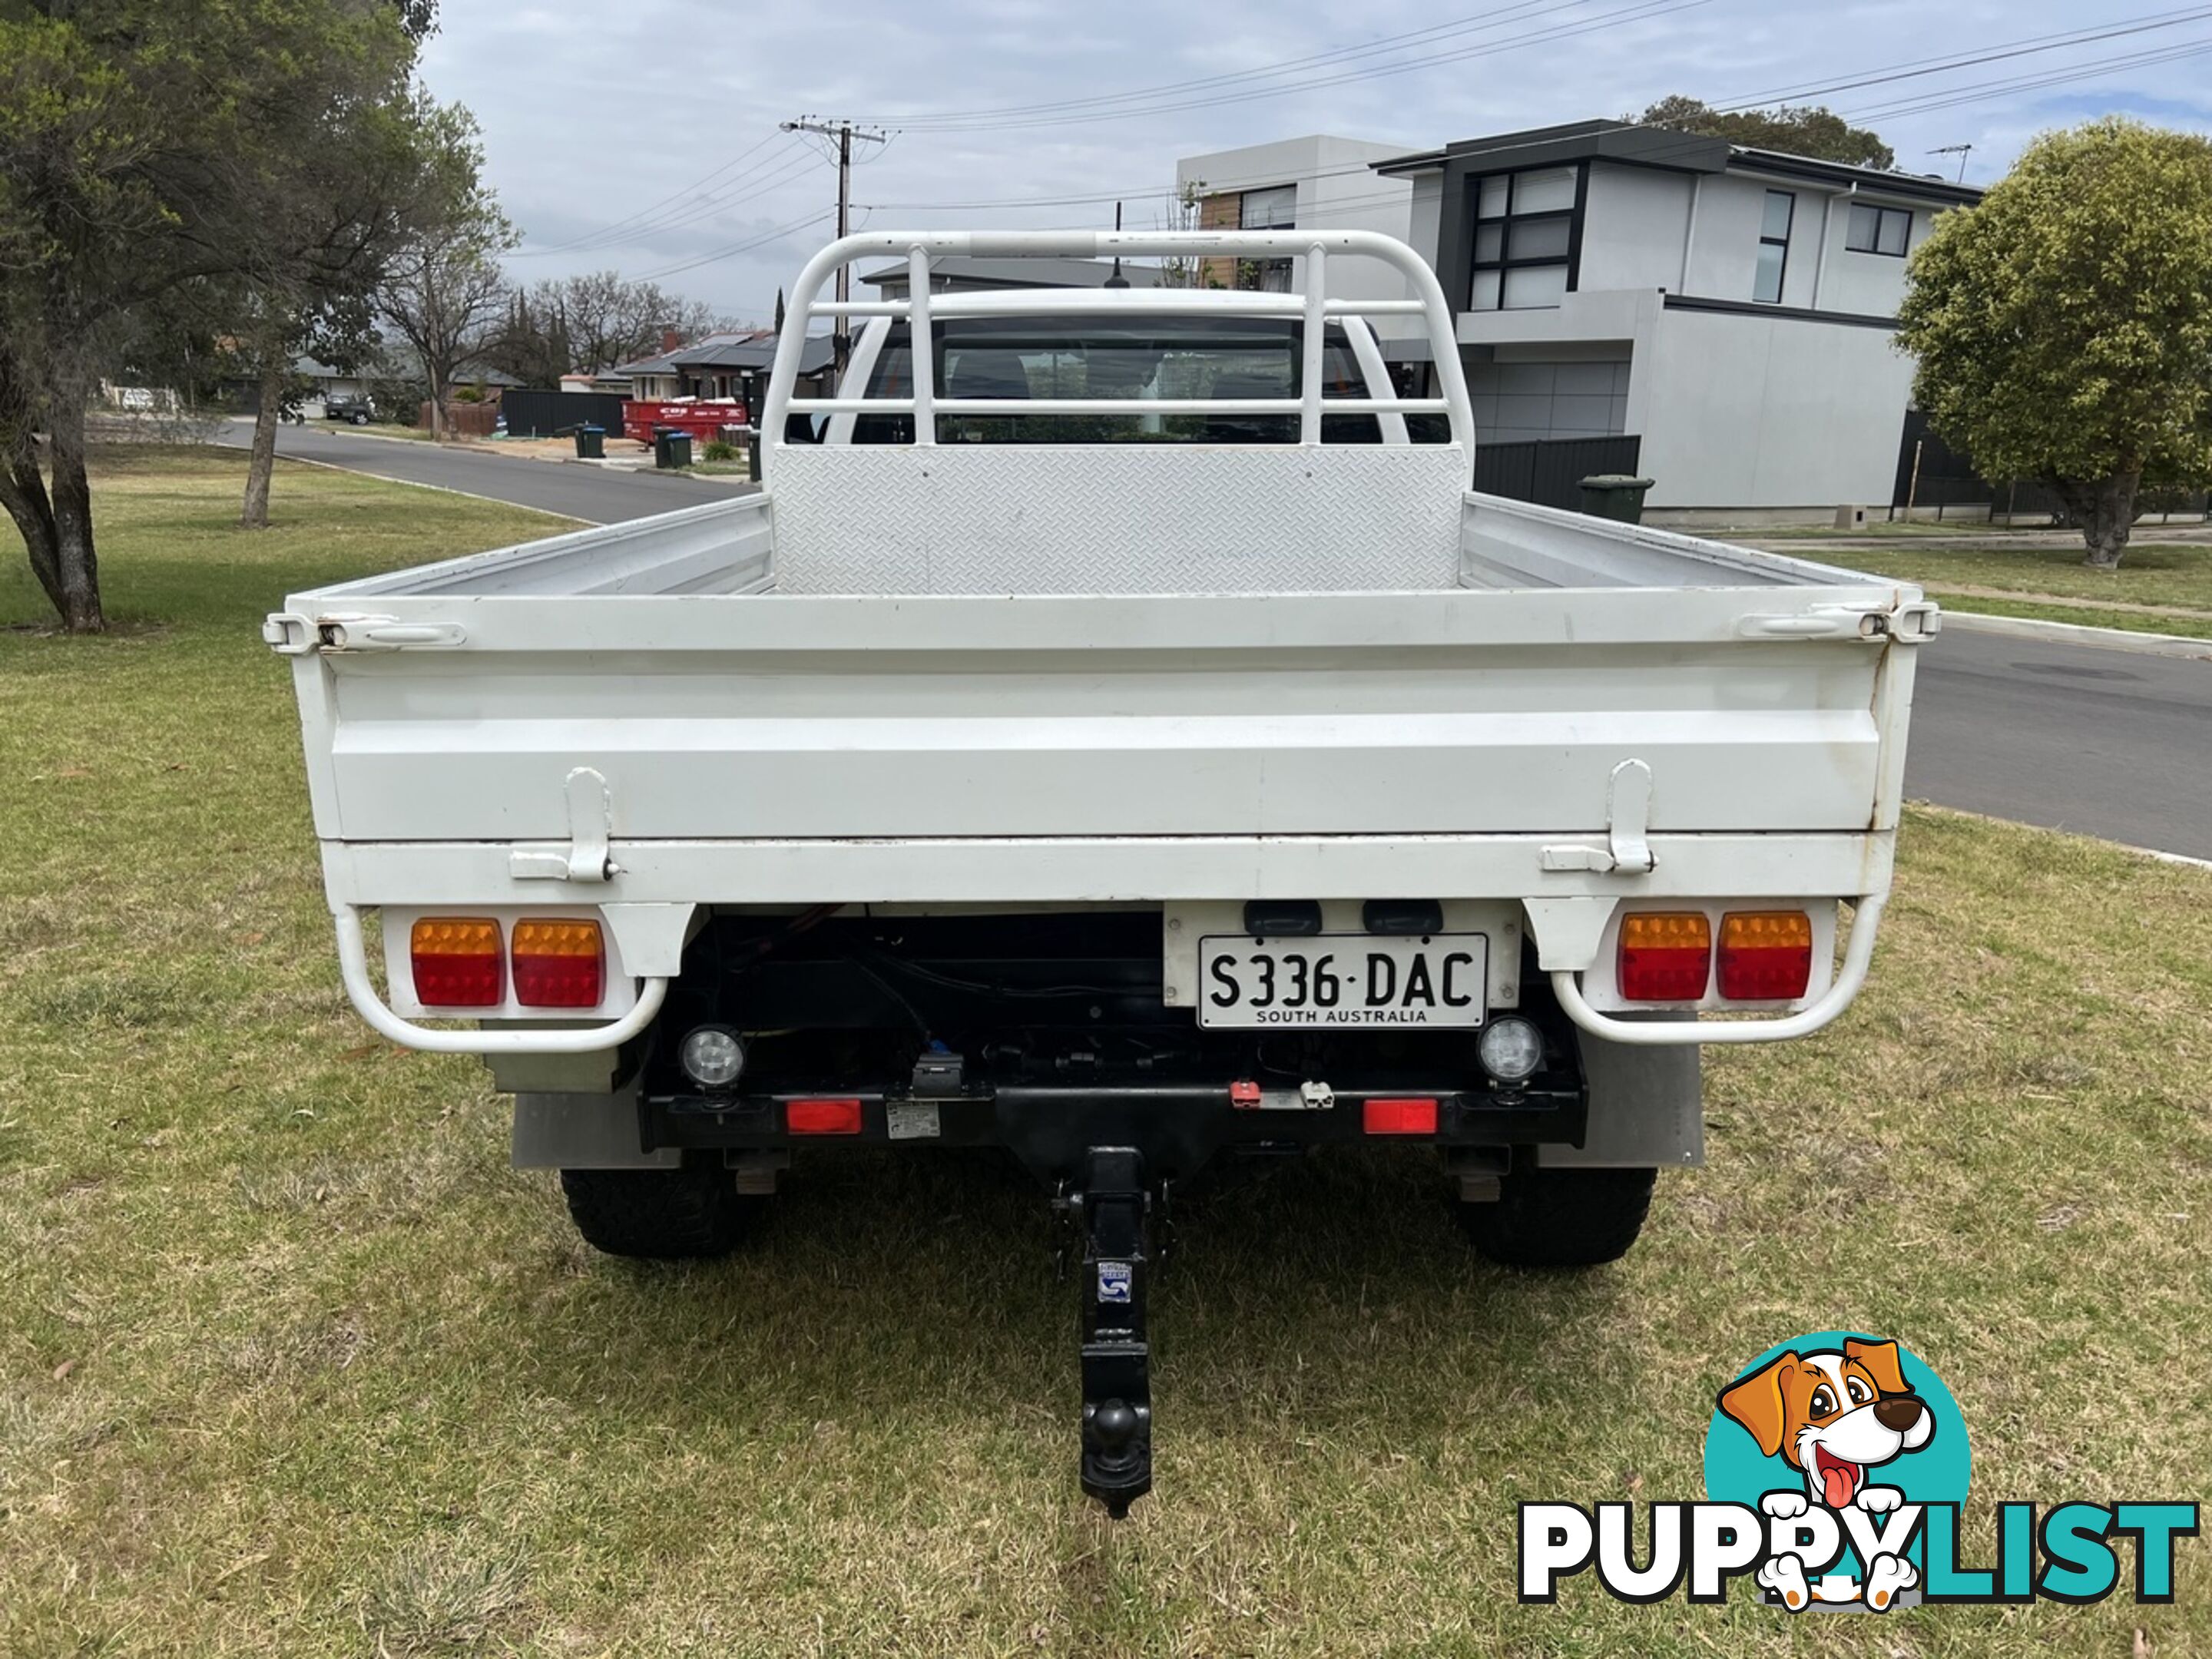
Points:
1113	1208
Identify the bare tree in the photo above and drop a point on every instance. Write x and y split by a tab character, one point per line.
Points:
1179	270
445	292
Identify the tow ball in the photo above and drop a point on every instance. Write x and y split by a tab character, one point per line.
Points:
1113	1208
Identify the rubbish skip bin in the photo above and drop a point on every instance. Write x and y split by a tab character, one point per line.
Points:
673	449
1615	495
590	443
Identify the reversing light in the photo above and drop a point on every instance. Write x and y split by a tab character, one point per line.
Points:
712	1056
1665	956
1766	955
559	962
1511	1048
1399	1117
822	1117
457	962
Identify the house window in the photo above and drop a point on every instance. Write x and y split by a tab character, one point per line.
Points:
1878	229
1274	208
1773	248
1524	238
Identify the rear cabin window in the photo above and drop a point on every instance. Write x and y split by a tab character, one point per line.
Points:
1140	361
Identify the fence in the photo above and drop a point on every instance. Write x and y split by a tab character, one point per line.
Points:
549	414
1550	470
463	420
1932	476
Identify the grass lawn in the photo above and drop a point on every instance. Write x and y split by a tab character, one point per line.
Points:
2188	624
2152	573
291	1362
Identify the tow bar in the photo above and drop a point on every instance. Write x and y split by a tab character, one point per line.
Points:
1113	1208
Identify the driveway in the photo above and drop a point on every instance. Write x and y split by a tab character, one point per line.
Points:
596	494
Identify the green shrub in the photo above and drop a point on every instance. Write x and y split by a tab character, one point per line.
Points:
716	450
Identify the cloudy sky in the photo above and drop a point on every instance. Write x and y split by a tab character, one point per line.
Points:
641	135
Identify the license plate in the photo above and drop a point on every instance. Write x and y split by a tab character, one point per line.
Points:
1342	979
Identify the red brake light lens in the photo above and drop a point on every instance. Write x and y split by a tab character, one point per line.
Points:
822	1117
1665	956
1766	955
559	963
1399	1117
457	962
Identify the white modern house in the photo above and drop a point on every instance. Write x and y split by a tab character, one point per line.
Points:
1734	308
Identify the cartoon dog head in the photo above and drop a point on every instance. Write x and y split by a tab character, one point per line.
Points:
1831	1414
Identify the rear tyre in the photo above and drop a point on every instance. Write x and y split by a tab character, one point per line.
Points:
662	1215
1560	1217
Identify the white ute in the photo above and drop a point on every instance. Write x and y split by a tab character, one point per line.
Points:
1115	734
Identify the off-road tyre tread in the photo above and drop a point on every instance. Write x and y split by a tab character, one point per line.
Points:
1560	1217
683	1214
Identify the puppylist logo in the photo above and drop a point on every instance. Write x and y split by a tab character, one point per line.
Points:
1835	1468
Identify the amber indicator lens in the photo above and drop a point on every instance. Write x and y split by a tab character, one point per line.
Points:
1665	956
559	962
457	962
1766	955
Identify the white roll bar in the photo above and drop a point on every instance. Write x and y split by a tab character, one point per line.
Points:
1313	249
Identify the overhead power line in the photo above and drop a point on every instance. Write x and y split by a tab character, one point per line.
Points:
735	248
575	243
915	121
1638	11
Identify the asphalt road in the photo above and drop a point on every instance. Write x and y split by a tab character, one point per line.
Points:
2102	743
598	494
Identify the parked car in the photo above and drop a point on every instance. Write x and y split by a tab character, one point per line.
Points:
352	407
1111	737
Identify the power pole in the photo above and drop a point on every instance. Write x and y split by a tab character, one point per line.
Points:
844	132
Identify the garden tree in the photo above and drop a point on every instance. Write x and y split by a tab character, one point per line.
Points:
132	136
1797	129
444	291
591	321
333	213
2064	327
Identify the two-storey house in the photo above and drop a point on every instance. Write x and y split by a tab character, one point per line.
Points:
1735	307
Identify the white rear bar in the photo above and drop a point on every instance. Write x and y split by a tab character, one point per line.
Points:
1092	302
1313	249
1111	405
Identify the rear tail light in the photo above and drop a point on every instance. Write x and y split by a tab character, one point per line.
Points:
559	963
1665	956
822	1117
457	962
1766	955
1399	1117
